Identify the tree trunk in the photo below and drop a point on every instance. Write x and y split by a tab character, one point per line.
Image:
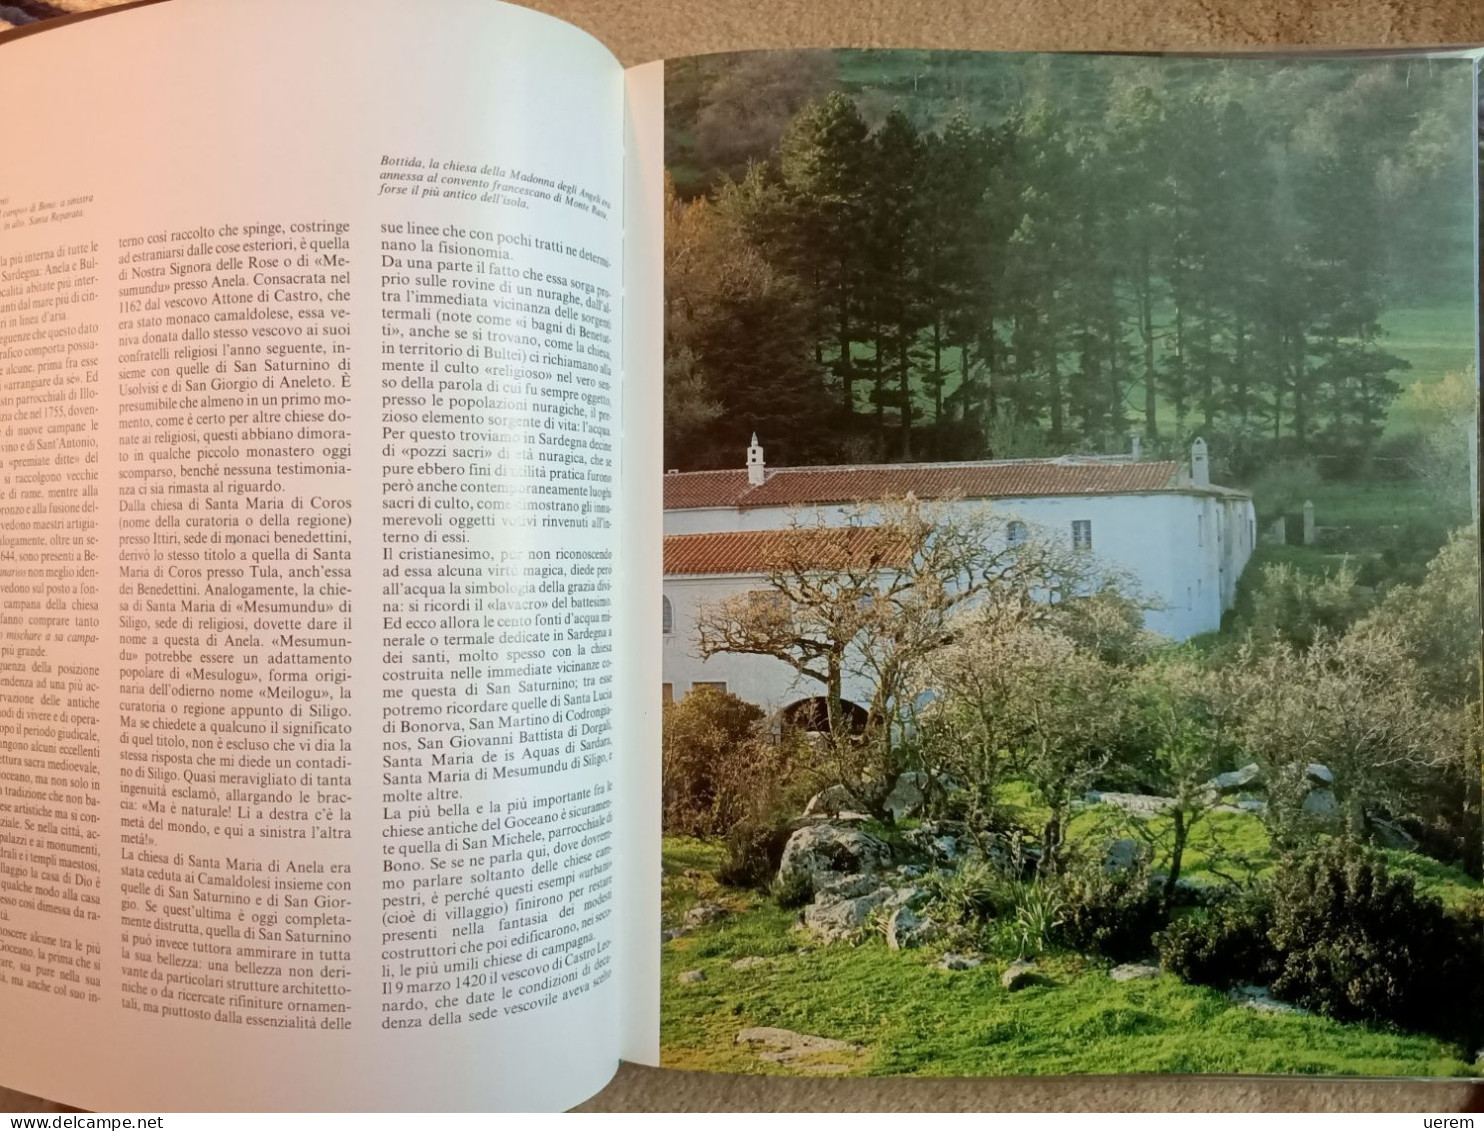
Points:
1300	399
904	386
834	700
1208	380
1239	375
1053	373
879	378
847	372
1117	413
1278	400
965	387
1177	852
937	388
1088	381
1146	335
1177	386
1051	840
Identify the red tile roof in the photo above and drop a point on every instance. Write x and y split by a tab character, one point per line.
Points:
1002	479
760	551
685	489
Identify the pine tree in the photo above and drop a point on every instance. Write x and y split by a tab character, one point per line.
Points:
1041	263
825	161
1138	184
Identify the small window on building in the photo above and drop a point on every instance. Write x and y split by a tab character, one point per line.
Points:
1200	530
719	684
1082	534
667	693
667	616
1015	533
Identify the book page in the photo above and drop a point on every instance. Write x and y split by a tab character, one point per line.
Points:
639	866
309	379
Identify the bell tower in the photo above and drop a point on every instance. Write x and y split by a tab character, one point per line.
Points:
1200	464
756	471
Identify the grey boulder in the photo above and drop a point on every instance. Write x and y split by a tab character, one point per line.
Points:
1230	782
1018	975
1321	803
703	913
960	962
1320	773
1132	971
907	794
831	801
1122	854
906	929
833	919
1261	999
1139	804
1388	834
822	853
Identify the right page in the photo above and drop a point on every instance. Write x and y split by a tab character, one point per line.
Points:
1070	616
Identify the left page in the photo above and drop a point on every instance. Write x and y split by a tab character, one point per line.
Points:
309	387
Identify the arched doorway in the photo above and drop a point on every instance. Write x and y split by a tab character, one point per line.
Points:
813	714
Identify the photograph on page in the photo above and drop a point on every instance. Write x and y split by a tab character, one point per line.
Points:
1070	611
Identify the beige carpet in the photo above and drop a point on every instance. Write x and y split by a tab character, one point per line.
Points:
640	30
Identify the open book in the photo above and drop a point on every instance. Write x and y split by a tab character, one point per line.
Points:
1053	477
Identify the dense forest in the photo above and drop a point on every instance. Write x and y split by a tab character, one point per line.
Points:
880	256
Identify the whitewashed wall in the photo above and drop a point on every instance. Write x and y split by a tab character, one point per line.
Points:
769	683
1183	550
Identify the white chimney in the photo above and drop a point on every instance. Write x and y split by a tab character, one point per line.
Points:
1200	464
1138	445
756	471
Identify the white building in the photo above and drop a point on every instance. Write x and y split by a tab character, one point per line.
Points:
1181	539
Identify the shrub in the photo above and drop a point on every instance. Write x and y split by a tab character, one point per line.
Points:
754	848
1356	943
1462	978
1335	932
1222	944
714	762
791	891
1281	485
1445	815
1295	606
1112	913
966	899
1039	916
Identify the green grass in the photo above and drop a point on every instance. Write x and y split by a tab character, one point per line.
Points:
1309	559
1230	836
1454	887
1435	339
912	1018
1385	532
1237	840
1239	844
1341	503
